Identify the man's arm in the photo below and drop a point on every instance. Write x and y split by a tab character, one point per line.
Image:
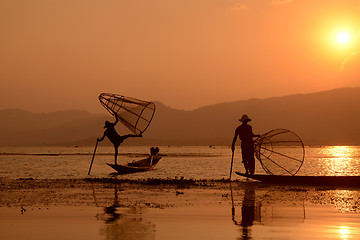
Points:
117	119
102	138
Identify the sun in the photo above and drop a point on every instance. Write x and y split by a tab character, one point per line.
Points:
343	37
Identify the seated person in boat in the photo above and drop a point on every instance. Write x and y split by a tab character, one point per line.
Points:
114	137
154	151
147	161
245	134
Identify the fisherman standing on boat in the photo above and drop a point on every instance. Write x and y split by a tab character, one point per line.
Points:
114	137
245	133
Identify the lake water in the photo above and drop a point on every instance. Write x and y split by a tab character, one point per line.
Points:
195	162
244	210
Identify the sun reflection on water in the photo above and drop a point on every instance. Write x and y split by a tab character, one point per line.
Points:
344	232
340	151
340	160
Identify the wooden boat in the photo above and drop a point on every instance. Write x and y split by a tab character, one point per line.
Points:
142	165
330	181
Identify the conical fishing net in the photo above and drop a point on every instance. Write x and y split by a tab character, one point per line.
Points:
280	152
135	114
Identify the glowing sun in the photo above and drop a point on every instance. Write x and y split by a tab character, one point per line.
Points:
343	37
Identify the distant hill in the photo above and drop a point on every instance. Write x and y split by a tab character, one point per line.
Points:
19	127
323	118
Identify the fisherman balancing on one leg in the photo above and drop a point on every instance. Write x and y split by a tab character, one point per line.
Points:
245	133
114	137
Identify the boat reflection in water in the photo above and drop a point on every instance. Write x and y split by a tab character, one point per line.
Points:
280	212
125	223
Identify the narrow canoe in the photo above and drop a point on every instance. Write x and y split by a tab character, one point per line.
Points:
330	181
143	165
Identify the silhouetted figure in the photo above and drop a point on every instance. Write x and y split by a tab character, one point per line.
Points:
245	133
114	137
154	151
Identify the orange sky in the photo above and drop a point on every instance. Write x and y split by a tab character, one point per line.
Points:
57	55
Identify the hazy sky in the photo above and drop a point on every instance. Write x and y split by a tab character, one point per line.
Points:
61	54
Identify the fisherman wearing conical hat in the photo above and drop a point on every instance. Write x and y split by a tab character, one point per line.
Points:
245	133
114	137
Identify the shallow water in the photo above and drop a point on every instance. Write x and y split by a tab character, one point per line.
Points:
190	162
237	213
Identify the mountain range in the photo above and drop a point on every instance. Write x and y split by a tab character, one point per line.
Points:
324	118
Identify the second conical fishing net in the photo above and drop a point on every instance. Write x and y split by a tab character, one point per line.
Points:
134	113
280	152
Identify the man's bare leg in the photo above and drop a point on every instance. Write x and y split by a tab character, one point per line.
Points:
116	153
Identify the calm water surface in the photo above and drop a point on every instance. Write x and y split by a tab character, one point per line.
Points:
253	211
189	162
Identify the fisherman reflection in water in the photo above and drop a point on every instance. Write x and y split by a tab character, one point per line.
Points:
248	212
245	133
114	137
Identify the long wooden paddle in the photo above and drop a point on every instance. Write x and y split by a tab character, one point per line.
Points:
92	160
232	160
